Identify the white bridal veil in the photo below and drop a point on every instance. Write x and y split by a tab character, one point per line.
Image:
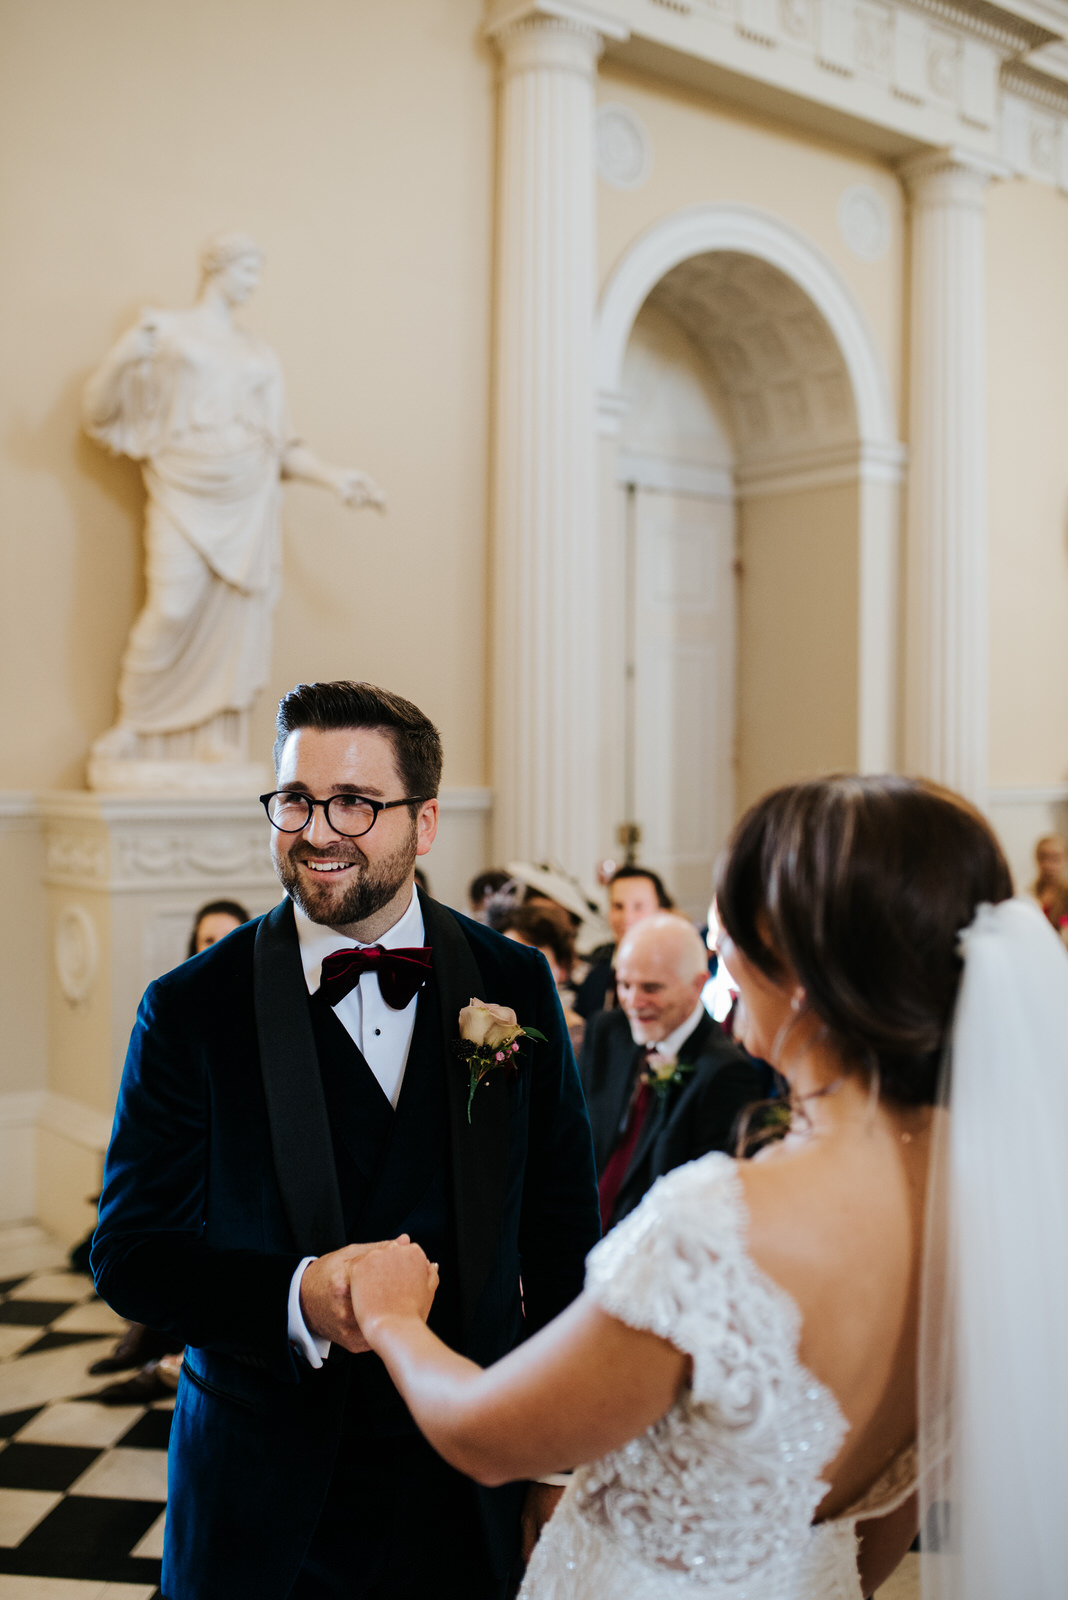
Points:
994	1337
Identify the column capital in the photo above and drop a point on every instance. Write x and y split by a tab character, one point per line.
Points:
510	20
950	174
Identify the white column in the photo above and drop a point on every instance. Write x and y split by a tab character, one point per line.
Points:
546	597
946	693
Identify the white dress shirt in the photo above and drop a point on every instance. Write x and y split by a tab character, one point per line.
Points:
668	1049
384	1037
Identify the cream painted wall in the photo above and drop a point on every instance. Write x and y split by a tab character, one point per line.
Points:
702	152
797	637
1027	324
354	140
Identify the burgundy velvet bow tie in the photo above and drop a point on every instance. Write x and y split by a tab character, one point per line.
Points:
400	973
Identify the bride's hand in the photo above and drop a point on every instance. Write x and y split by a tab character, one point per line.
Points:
397	1281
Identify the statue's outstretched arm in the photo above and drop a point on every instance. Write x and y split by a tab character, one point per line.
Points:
353	487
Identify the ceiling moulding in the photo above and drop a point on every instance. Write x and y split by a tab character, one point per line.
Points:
892	76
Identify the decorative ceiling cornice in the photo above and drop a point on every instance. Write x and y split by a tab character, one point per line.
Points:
1004	29
1025	81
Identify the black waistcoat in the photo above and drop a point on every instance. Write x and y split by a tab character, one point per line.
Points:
394	1177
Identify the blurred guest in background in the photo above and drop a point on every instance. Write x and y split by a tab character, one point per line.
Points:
1051	860
633	893
213	922
547	928
663	1082
482	888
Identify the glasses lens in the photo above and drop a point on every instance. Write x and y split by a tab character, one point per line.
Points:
290	813
350	814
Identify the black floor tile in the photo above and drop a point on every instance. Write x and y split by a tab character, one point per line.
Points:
7	1284
12	1421
87	1538
150	1432
57	1341
43	1466
34	1313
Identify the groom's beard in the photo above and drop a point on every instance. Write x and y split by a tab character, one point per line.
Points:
366	890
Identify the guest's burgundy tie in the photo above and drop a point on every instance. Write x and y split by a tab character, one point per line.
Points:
400	972
611	1180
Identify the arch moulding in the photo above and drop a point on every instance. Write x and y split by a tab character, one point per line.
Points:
879	457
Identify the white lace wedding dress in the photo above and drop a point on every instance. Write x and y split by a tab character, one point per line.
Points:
716	1500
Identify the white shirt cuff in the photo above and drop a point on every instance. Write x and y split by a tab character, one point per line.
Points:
555	1480
312	1348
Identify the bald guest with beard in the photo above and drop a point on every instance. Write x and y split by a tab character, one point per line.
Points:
663	1082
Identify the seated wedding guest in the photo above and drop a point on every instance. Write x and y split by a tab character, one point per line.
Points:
744	1372
547	928
633	893
663	1083
481	888
1051	860
213	922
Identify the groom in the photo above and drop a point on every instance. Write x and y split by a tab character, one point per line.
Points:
286	1104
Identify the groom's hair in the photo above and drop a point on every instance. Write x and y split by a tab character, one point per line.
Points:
326	706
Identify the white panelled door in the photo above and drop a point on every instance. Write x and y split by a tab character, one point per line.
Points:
681	684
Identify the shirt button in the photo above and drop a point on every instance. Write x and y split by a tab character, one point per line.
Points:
377	1032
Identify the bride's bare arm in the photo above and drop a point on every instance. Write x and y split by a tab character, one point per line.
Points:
584	1385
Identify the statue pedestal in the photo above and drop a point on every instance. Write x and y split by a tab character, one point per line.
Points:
214	780
123	877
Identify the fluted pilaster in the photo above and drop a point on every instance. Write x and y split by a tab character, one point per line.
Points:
946	734
546	651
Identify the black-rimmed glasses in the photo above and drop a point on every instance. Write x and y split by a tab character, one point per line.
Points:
349	814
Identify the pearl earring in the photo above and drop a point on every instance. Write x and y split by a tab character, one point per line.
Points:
797	1000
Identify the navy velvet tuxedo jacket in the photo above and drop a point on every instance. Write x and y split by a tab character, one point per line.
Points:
220	1176
691	1118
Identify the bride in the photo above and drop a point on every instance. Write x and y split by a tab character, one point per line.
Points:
761	1345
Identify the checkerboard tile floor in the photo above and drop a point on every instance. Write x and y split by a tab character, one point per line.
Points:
83	1486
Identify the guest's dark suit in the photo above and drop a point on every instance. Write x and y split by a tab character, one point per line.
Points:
251	1132
692	1117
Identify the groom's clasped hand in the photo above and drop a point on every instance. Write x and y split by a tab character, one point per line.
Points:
391	1279
326	1301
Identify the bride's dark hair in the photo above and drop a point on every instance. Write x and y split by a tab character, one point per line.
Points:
860	887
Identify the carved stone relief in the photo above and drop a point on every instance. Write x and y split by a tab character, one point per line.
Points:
864	222
76	949
624	152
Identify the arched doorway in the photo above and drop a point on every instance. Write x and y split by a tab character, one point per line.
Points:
746	432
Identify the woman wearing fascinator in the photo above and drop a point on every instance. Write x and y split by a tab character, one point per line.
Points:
778	1368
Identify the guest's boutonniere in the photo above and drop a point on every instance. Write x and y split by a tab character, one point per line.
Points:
663	1071
489	1040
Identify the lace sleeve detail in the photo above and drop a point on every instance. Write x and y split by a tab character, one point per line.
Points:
678	1266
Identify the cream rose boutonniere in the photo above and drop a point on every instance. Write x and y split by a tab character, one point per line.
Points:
664	1071
489	1040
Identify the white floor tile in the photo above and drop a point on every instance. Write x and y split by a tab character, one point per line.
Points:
12	1588
152	1543
52	1375
21	1510
79	1422
93	1317
29	1249
905	1582
125	1475
54	1286
13	1339
127	1591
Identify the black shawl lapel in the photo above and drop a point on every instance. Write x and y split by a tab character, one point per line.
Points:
479	1147
296	1108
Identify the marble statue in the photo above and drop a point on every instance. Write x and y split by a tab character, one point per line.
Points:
200	402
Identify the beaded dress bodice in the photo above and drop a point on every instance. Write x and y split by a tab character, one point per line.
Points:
715	1500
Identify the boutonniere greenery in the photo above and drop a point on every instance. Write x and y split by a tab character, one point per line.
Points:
489	1042
664	1071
